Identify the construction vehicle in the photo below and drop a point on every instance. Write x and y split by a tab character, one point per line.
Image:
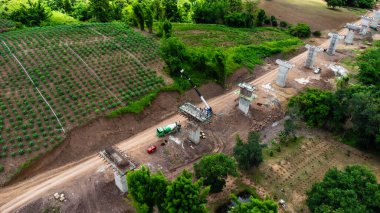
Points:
162	131
205	113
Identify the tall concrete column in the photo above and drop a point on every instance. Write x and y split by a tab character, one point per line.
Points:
312	53
376	19
121	182
349	39
245	97
334	39
365	24
284	67
194	132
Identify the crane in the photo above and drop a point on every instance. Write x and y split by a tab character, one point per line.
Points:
208	109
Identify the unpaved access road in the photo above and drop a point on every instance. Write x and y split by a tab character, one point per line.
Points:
15	196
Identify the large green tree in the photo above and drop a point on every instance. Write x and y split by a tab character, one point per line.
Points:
248	154
171	9
355	189
101	10
369	66
185	196
31	14
146	189
139	14
254	205
215	168
316	107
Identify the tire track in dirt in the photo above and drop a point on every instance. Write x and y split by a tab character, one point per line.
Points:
15	196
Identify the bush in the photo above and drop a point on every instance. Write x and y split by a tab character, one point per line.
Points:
248	154
215	168
165	29
1	168
135	106
274	22
284	24
267	21
300	30
238	19
260	18
32	14
317	33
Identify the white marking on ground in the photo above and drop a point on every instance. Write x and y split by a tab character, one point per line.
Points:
26	72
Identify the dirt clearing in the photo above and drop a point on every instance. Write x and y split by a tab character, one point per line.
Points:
312	12
292	169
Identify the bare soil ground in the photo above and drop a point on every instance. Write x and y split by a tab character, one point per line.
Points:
268	108
103	132
312	12
292	170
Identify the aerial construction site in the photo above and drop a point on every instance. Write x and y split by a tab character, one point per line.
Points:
237	109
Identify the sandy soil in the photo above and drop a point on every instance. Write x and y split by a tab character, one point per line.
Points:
267	108
312	12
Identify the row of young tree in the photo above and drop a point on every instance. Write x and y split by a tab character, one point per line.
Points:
352	3
353	110
149	191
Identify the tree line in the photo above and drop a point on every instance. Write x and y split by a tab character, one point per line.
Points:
153	190
353	111
367	4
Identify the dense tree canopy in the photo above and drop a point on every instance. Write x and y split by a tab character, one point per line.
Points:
315	106
215	168
101	9
355	189
351	3
31	14
183	195
369	66
248	154
146	189
254	205
358	106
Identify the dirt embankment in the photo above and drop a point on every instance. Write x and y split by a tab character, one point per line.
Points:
103	132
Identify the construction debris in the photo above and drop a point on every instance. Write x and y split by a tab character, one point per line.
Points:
338	70
60	197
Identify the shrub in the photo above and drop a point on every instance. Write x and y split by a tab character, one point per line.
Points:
238	19
300	30
165	29
32	14
317	33
267	21
273	20
284	24
260	18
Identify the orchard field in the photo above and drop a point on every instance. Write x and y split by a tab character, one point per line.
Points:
53	79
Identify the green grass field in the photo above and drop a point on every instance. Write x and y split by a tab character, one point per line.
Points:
243	47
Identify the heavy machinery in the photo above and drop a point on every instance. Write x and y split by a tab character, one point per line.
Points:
190	110
162	131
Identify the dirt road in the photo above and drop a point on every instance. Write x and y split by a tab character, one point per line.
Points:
16	196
